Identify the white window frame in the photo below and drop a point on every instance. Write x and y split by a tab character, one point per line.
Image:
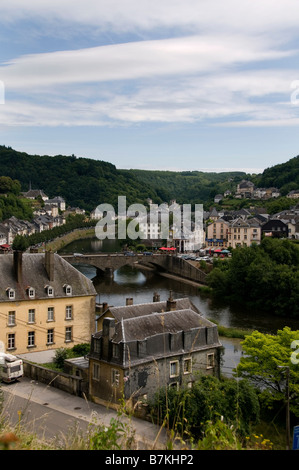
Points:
11	318
69	312
188	363
115	375
31	292
50	336
68	289
51	312
68	334
31	339
177	368
31	315
210	360
11	341
50	291
11	294
174	385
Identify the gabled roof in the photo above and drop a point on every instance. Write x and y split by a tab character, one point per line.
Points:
34	274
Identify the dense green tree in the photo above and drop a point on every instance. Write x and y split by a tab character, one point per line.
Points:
264	277
264	355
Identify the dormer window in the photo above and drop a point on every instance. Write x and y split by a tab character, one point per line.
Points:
11	293
50	291
31	292
68	289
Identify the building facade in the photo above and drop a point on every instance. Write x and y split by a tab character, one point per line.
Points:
134	356
45	303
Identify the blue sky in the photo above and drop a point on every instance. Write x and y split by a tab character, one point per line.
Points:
195	85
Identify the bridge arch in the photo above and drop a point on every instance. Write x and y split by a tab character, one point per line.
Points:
106	264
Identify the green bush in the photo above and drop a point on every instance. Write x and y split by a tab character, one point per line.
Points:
188	410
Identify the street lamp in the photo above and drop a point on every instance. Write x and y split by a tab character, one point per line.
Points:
287	370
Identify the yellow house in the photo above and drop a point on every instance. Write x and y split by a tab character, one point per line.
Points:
45	303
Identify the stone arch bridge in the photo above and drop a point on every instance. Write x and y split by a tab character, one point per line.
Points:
106	264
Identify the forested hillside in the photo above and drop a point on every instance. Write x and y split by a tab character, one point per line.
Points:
193	187
284	176
81	182
87	182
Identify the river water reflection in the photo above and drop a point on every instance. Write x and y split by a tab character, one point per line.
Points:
132	283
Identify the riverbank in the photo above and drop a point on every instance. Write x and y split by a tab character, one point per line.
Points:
61	242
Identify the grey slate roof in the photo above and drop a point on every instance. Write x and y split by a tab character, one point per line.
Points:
142	327
35	275
132	311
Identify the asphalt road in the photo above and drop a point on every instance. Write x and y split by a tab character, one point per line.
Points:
51	413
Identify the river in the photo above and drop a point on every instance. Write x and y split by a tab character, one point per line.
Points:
132	283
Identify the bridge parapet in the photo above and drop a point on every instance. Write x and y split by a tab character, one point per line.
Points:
107	263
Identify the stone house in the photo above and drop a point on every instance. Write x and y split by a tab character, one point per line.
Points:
145	347
244	232
45	303
245	189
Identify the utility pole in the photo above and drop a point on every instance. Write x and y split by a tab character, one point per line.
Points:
288	407
287	395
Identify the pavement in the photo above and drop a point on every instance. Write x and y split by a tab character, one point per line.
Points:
149	436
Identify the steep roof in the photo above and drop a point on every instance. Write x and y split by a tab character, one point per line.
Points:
142	327
132	311
34	274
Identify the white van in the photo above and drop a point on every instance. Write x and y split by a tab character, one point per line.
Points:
11	368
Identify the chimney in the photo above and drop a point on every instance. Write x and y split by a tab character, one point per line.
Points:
17	262
156	297
129	301
49	264
108	332
171	303
104	306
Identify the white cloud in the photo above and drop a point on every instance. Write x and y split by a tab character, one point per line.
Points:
120	15
190	55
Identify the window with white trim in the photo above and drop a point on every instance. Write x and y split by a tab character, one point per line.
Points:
187	365
31	292
68	334
174	368
50	291
69	312
31	339
174	385
31	315
210	361
11	341
50	313
68	289
115	377
11	318
50	336
11	294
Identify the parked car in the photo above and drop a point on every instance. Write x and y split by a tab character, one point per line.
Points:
147	253
129	253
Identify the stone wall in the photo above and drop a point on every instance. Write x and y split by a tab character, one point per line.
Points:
66	382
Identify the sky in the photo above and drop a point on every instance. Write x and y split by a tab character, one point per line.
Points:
208	85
